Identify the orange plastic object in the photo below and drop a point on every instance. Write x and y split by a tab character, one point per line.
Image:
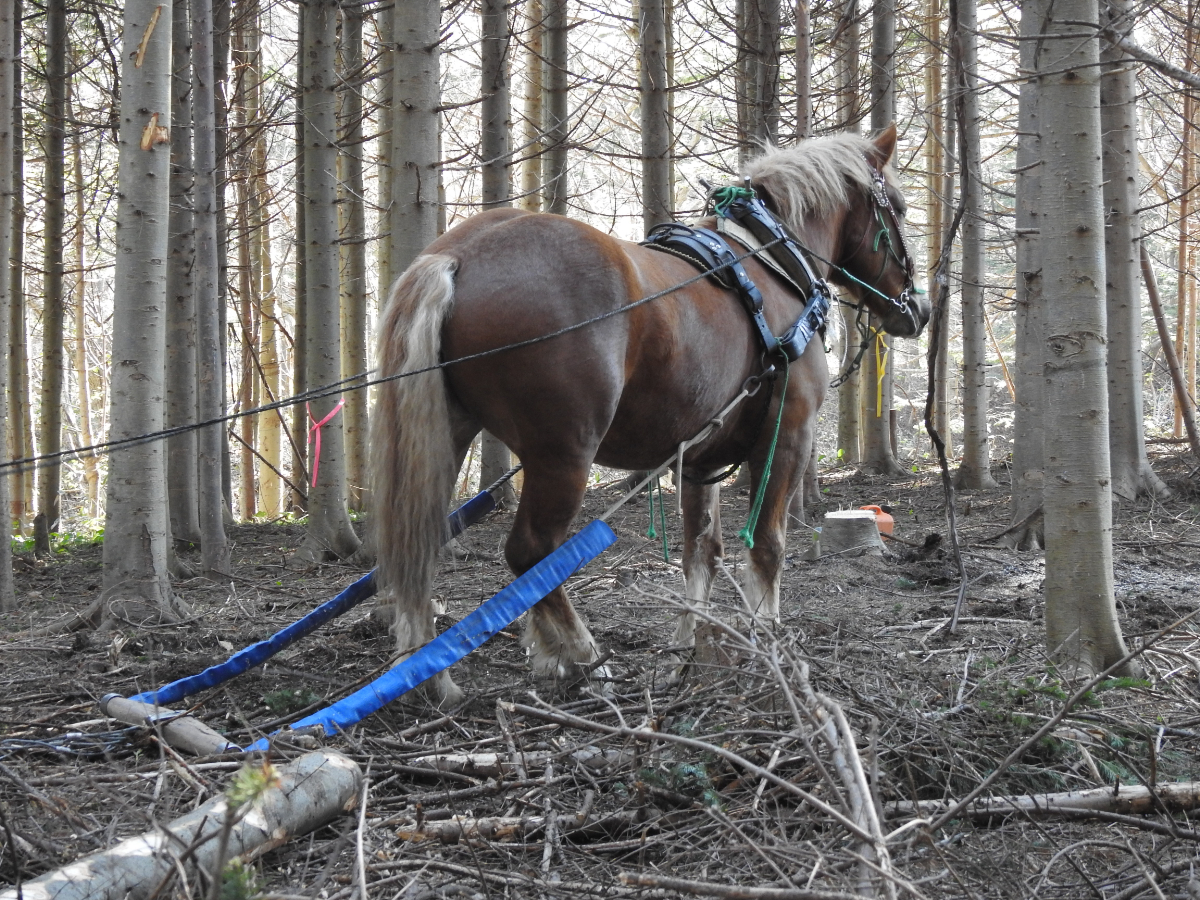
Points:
883	521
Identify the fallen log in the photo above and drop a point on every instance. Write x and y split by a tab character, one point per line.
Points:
728	891
470	829
181	731
1128	800
311	791
492	765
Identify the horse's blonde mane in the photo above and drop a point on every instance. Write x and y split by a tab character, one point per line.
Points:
814	177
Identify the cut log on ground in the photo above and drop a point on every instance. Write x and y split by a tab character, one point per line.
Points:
314	789
178	729
1182	796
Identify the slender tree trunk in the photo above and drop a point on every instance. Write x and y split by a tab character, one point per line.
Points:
803	70
20	418
849	414
210	396
556	186
136	530
879	363
246	114
1132	476
656	126
1028	437
329	532
387	53
943	372
54	217
415	157
222	31
182	461
496	150
935	202
975	469
532	144
354	248
91	467
299	500
8	59
1081	615
1184	311
766	81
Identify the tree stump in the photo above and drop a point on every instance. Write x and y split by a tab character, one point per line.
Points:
850	532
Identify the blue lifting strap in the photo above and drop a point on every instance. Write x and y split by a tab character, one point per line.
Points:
464	636
257	654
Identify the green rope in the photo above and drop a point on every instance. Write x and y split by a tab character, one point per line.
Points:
747	532
662	516
723	197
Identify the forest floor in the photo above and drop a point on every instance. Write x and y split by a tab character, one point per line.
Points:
934	714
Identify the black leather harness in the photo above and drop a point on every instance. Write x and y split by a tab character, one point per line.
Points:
709	251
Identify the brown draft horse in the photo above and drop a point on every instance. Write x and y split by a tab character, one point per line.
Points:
623	392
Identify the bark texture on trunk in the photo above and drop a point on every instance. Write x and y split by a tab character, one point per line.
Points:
849	413
182	489
975	469
354	251
1028	438
53	318
532	143
329	534
415	165
299	496
210	395
556	187
91	465
803	70
879	362
656	124
1081	615
136	531
8	22
1132	476
496	150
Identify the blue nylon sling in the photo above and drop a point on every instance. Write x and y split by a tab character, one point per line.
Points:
257	654
464	636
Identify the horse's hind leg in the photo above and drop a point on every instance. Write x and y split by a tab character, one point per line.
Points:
555	635
702	548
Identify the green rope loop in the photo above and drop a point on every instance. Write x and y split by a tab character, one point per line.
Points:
723	197
747	532
662	516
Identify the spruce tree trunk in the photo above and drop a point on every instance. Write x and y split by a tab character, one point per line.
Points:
182	461
299	497
496	150
803	70
383	149
329	534
210	393
1028	375
849	413
555	178
53	317
975	469
532	143
91	465
766	80
354	249
415	157
136	531
879	363
8	60
943	374
1081	616
1132	476
20	418
656	126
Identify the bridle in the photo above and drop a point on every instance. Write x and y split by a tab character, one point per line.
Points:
889	224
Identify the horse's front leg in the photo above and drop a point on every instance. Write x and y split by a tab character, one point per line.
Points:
702	548
761	580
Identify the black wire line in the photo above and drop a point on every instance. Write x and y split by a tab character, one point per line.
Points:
353	383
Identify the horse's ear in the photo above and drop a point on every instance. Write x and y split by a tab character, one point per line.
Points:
885	144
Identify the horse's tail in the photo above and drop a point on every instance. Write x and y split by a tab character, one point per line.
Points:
412	454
